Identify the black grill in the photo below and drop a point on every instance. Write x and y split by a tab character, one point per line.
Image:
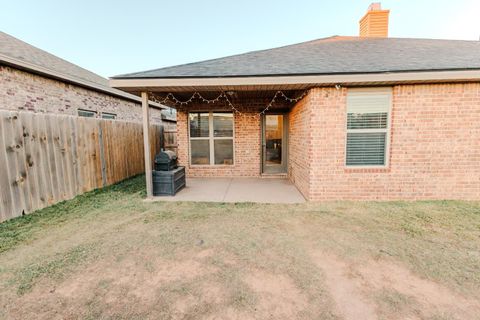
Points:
168	177
165	161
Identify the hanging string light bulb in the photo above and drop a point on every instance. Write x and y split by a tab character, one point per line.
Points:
171	97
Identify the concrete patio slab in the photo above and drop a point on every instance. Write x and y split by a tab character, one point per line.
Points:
258	190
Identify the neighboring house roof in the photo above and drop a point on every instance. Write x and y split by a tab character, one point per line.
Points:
330	56
19	54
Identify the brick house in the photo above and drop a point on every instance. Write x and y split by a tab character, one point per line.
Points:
37	81
367	118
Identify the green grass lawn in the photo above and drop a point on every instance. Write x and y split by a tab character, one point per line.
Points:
109	254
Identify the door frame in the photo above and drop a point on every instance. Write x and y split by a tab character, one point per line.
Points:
283	167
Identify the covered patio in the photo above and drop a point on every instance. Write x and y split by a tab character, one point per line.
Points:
258	190
239	140
234	144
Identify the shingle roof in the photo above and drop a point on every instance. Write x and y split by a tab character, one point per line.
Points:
334	55
21	54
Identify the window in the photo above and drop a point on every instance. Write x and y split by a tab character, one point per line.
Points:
211	138
368	126
109	116
86	113
169	114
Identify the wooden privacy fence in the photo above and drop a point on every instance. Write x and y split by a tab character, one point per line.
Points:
47	158
170	139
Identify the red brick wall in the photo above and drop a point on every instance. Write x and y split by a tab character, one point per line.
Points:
299	148
434	150
24	91
246	144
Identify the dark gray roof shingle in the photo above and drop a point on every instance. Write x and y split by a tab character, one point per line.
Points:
15	48
334	55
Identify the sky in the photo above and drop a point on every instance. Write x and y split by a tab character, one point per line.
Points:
112	37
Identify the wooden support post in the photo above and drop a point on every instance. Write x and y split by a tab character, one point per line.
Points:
146	144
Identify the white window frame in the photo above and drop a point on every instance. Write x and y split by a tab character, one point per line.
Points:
110	114
376	90
95	114
211	140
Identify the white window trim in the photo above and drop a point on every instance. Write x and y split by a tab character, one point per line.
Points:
95	113
211	140
110	114
388	130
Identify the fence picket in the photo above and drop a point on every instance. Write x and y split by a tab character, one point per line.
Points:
31	184
8	207
47	176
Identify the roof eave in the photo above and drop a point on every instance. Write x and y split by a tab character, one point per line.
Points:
158	84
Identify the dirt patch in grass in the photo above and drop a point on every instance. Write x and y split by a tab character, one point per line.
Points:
347	292
277	295
56	267
355	287
433	298
110	255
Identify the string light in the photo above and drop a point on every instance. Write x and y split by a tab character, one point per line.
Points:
285	97
170	96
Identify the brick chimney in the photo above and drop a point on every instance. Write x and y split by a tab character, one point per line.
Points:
375	22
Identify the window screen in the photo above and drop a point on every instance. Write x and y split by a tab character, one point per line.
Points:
367	126
109	116
86	113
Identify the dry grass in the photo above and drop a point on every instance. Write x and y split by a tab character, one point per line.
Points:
110	255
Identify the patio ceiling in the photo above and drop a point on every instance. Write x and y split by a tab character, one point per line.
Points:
258	98
171	86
